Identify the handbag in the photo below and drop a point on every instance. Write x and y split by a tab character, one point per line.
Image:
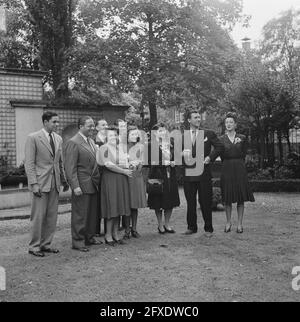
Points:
155	186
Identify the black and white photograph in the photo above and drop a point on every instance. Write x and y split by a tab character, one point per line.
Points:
149	154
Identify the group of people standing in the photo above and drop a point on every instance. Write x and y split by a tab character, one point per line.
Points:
106	177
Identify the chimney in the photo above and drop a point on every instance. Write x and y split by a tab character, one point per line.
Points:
2	19
246	44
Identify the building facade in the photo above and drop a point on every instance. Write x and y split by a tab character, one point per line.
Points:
21	109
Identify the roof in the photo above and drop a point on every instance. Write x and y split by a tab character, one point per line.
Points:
22	72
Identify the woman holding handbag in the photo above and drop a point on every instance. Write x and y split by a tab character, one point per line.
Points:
162	186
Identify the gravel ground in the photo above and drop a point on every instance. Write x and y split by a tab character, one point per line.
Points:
255	266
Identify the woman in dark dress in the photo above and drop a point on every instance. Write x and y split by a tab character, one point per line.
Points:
163	169
137	187
234	181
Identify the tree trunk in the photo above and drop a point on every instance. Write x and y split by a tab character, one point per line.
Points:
280	147
262	150
153	113
151	63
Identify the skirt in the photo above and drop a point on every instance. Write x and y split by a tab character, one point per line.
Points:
115	198
234	182
169	199
137	192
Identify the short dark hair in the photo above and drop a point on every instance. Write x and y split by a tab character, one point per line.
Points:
190	112
113	128
116	123
100	121
158	125
231	115
83	119
47	116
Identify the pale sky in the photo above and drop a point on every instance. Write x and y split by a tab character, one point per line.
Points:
261	11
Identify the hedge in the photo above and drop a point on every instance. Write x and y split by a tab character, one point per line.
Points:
276	185
287	185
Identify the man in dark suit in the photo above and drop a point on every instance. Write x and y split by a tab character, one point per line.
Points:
83	176
202	146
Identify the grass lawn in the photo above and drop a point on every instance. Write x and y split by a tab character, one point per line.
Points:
254	266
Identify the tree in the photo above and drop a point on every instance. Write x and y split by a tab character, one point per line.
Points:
174	51
53	21
264	103
280	49
17	49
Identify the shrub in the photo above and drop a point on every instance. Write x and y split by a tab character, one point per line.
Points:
275	185
217	199
263	174
271	185
283	172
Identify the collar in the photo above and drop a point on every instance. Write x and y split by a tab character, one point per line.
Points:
101	137
84	137
46	133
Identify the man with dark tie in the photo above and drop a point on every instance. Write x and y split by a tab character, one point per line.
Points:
45	173
203	146
83	176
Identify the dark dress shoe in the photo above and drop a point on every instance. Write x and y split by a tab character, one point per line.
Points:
169	231
81	249
135	234
190	232
50	250
36	253
110	243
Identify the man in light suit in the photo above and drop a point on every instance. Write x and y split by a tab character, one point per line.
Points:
44	169
83	176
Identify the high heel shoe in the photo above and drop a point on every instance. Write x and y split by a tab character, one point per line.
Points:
240	231
110	243
162	232
126	236
135	234
227	230
169	231
119	241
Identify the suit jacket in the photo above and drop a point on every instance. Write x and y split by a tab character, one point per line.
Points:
81	165
213	148
41	164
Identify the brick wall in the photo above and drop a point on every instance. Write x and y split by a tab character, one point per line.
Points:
14	86
70	116
28	86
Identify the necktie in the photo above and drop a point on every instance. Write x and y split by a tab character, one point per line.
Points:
52	144
90	144
194	137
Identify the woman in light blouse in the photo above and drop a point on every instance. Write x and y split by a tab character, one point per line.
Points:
115	198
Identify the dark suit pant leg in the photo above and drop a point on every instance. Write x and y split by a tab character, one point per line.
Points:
205	200
80	207
190	191
92	217
98	226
